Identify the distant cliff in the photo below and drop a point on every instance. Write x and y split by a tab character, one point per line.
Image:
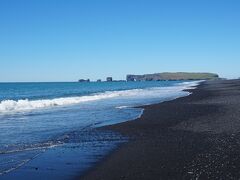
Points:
172	76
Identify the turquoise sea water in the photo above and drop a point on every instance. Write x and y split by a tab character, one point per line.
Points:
39	118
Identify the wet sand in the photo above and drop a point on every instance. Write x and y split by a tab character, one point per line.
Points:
195	137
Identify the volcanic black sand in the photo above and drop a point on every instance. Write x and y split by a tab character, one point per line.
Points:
195	137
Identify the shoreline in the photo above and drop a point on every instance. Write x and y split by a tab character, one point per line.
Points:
190	90
178	138
101	143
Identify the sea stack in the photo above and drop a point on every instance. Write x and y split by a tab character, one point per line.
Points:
109	79
84	80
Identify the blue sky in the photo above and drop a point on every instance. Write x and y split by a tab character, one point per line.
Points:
64	40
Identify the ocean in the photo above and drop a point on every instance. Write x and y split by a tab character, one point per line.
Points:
48	130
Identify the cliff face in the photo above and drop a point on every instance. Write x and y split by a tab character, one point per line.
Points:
172	76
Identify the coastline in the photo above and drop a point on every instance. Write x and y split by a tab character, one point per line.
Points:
187	138
56	159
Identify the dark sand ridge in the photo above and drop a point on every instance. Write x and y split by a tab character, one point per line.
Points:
195	137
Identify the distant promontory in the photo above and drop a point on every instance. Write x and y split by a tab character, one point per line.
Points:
166	76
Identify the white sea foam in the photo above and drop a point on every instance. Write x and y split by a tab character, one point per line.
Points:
17	165
33	147
20	105
9	106
190	84
122	107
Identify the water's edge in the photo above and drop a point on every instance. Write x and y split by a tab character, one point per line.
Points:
97	163
101	142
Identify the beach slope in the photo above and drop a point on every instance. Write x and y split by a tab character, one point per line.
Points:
195	137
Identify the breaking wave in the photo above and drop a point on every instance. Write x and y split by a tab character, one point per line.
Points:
9	106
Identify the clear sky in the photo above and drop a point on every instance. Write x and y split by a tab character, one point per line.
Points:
64	40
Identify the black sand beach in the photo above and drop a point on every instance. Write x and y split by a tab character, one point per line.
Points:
195	137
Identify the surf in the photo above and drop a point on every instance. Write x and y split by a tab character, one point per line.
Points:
11	106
